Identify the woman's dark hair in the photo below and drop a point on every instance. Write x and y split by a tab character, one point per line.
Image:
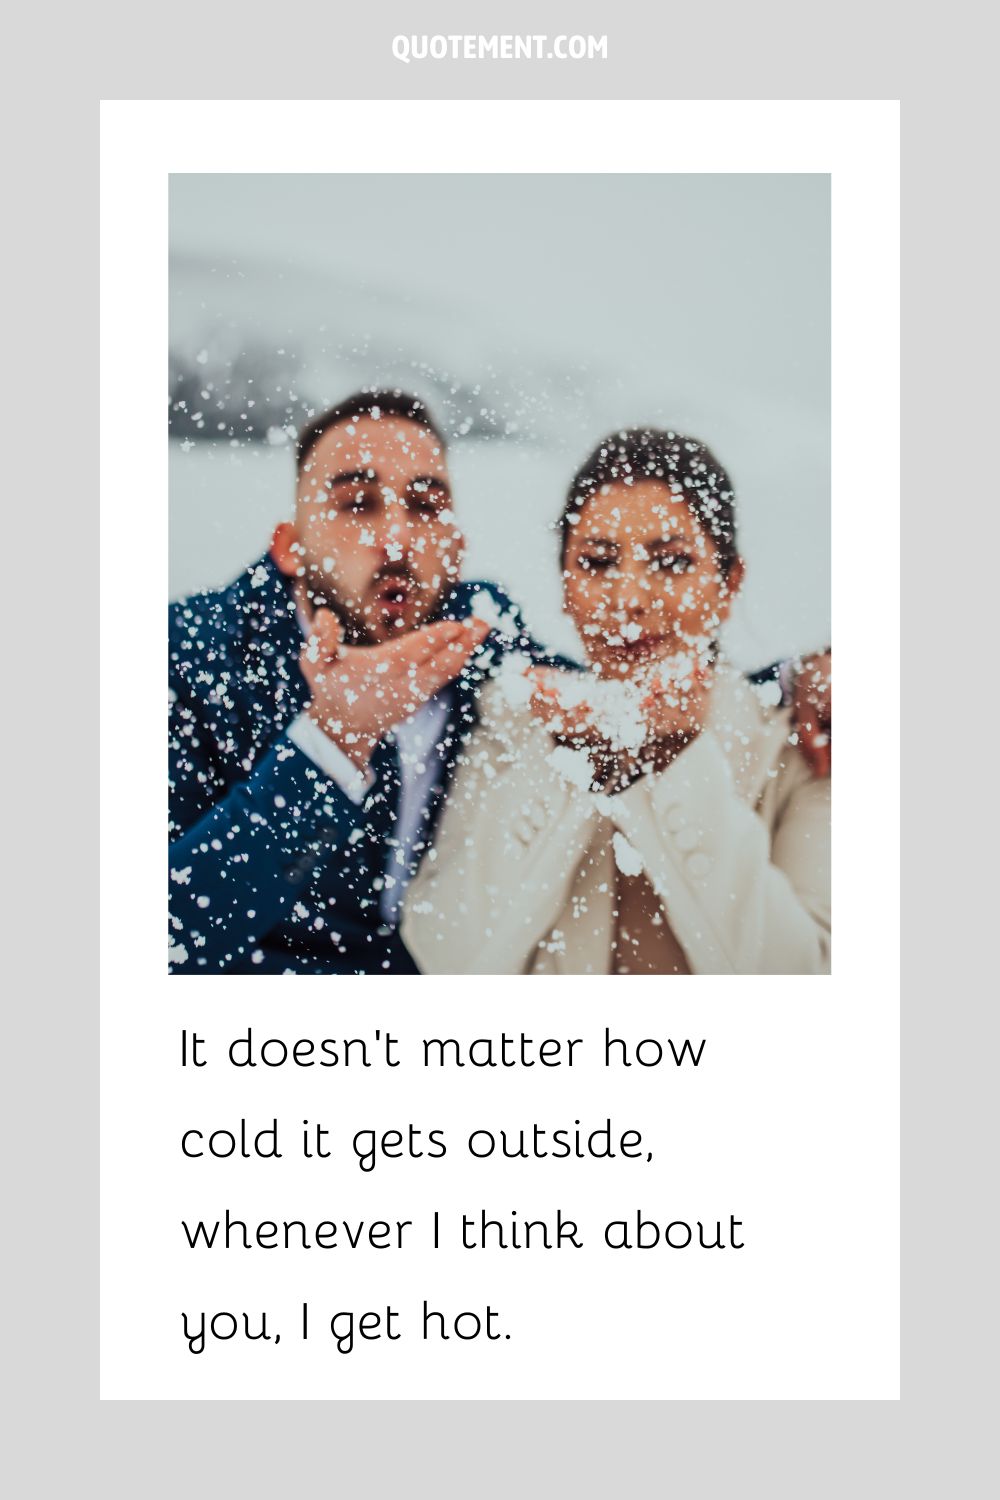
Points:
397	404
643	453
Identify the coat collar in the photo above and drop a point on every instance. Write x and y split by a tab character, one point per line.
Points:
265	608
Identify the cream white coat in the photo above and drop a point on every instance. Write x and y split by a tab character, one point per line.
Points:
734	837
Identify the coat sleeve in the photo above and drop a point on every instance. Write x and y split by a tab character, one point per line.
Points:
504	857
741	898
241	852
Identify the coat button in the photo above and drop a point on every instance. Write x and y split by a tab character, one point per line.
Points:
537	814
524	830
686	839
698	865
675	818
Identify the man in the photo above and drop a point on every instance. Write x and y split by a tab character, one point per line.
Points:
318	705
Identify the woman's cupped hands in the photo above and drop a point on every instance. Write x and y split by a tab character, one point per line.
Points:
626	727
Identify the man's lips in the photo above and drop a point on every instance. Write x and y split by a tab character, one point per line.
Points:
393	593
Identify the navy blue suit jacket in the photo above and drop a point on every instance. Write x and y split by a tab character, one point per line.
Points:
271	864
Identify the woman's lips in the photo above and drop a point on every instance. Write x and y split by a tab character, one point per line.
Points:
643	645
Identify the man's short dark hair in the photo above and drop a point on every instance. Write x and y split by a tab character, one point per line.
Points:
397	404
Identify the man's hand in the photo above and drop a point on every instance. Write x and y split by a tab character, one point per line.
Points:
813	711
359	693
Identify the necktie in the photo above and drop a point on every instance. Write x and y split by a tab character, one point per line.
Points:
382	806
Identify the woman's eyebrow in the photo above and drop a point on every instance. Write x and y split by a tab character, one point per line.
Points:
348	476
668	541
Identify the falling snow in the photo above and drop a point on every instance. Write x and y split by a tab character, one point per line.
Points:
627	859
341	806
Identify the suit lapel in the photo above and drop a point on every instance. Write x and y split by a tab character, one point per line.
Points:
463	716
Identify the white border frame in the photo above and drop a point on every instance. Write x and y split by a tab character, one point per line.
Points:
856	142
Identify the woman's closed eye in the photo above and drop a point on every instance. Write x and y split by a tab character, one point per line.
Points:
427	497
673	562
425	504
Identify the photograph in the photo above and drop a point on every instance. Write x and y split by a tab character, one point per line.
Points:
499	634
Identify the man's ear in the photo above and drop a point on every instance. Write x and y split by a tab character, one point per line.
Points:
285	549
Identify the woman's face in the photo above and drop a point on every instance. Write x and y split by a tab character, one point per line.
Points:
641	580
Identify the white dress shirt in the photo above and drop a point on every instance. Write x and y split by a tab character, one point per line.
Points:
416	739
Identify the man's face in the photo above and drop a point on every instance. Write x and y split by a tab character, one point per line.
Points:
375	532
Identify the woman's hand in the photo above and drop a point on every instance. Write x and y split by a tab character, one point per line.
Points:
569	722
675	711
625	727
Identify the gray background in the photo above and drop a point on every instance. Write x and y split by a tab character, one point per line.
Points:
535	314
939	1438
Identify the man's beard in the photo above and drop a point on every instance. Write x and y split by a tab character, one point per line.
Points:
321	592
318	591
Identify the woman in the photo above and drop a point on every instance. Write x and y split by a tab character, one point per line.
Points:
651	815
